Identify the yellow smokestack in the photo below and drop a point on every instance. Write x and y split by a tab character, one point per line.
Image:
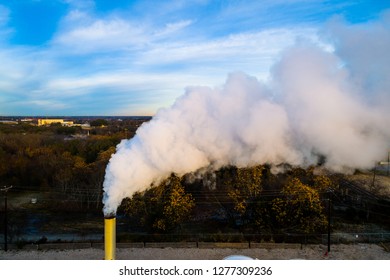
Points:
109	238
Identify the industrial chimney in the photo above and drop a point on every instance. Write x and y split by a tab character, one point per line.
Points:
109	237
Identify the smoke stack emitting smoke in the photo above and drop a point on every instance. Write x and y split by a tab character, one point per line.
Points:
313	105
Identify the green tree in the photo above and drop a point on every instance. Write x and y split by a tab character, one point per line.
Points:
66	130
99	122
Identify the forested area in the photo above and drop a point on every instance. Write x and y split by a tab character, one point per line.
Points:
68	164
251	200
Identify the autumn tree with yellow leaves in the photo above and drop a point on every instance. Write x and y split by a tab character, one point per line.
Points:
162	207
245	189
299	209
295	207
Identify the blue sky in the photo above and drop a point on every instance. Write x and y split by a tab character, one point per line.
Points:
122	57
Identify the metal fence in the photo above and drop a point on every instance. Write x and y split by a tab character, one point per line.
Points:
202	240
357	237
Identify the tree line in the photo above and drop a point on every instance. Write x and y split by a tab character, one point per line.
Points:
72	171
250	199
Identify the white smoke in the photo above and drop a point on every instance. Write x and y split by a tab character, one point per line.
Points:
314	105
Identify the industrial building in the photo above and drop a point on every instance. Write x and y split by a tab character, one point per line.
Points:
42	122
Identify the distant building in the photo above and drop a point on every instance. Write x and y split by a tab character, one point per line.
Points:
27	120
51	121
85	126
8	122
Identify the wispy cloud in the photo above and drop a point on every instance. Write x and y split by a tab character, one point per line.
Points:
171	28
237	49
101	36
5	31
137	58
4	15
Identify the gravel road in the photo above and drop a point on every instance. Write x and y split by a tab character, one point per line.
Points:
310	252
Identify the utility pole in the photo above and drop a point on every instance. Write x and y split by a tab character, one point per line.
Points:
329	213
373	179
329	217
5	190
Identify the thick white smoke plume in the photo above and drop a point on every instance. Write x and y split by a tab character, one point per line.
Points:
315	104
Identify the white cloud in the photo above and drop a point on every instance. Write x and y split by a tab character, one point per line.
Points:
74	86
253	52
132	56
119	56
47	104
171	28
151	53
101	35
82	34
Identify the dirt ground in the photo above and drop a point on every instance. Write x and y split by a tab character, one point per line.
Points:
310	252
380	186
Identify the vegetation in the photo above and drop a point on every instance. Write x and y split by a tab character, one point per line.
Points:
242	196
62	161
299	209
69	164
163	207
99	122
